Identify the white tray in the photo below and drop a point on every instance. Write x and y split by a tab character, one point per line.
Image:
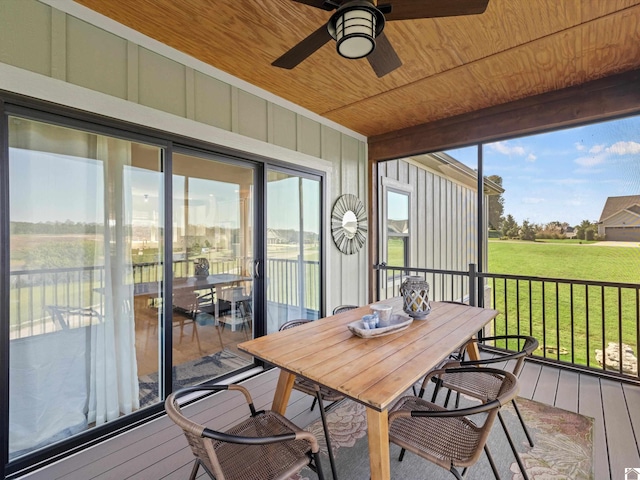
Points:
397	324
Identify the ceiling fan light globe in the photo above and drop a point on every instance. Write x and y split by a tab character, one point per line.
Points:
355	45
354	26
355	31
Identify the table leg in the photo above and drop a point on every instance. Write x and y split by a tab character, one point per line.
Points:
473	351
378	432
283	392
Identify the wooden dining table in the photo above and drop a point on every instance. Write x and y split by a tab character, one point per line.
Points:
371	371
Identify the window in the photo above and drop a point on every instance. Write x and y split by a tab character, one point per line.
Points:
397	220
293	247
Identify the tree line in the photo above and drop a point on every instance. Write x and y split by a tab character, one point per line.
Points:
59	228
508	227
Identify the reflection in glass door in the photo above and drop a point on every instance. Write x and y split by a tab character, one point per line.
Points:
293	248
85	250
212	298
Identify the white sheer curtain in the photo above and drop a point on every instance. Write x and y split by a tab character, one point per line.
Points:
114	372
62	379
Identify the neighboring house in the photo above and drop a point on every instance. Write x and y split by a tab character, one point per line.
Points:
620	219
273	237
570	232
428	188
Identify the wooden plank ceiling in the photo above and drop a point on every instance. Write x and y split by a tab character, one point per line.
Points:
451	66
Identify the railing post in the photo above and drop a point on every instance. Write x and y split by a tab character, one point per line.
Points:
472	284
378	281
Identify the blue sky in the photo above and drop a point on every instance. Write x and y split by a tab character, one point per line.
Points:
565	175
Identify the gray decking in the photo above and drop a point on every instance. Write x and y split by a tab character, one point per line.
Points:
158	450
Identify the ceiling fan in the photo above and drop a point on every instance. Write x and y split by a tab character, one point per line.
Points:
357	27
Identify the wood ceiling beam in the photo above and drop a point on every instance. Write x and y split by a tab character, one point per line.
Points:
596	100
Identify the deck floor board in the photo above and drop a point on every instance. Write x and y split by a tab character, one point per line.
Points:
620	437
158	450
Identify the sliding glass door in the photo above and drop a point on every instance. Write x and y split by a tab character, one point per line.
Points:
133	272
85	229
293	286
212	297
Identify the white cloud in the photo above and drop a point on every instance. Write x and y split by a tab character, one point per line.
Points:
600	153
590	161
502	147
624	148
531	158
532	200
580	147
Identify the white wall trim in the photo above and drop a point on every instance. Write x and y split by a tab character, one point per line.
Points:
34	85
90	16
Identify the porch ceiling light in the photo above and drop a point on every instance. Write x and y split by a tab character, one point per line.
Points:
354	26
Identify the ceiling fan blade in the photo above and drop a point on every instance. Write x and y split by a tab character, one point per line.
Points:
384	58
323	4
414	9
303	49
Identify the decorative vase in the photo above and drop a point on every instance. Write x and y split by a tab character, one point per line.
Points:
201	267
415	292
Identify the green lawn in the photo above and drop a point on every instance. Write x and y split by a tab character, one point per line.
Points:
572	322
395	252
565	260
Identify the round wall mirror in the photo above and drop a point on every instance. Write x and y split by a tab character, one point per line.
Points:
348	224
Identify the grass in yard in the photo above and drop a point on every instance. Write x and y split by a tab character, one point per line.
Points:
564	260
564	317
395	252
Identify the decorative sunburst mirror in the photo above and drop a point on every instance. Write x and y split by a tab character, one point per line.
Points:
349	224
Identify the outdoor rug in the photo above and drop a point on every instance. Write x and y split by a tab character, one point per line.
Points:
563	446
192	373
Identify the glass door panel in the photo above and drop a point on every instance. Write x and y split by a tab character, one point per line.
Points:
212	298
85	217
293	288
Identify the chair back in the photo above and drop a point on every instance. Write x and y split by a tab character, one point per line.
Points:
64	316
294	323
507	392
264	445
343	308
529	345
201	446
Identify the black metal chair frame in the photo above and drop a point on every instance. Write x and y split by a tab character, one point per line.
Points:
439	412
530	344
196	430
319	394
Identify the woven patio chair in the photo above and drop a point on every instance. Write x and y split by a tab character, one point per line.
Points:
185	304
343	308
64	316
484	387
449	438
320	395
265	446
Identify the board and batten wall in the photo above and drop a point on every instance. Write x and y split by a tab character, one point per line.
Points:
442	219
59	51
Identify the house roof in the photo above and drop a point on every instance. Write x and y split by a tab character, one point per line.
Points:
614	205
449	167
451	66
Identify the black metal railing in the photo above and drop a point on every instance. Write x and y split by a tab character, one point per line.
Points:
34	292
580	324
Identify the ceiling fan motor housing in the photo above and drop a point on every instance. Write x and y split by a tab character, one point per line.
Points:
354	26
